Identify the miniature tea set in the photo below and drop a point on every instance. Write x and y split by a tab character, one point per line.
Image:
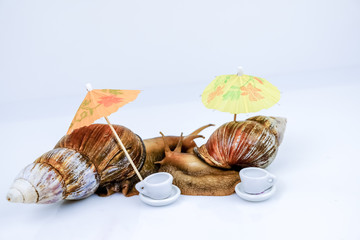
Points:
158	190
256	185
94	158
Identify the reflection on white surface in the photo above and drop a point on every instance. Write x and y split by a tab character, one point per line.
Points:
257	197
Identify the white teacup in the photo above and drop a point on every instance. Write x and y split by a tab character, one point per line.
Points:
256	180
156	186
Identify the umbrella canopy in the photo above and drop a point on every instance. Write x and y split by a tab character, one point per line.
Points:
100	103
240	94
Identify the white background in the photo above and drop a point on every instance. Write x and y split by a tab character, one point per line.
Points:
171	50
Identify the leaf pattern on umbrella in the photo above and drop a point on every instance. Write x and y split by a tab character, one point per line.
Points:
233	94
252	92
217	92
112	91
87	111
220	81
107	101
259	80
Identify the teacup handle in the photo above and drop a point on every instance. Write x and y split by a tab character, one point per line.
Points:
140	186
271	180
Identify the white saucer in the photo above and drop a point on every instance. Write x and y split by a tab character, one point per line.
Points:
162	202
254	197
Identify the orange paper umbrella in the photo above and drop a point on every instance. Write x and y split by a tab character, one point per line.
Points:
100	103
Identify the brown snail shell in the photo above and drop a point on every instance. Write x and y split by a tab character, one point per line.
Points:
250	143
81	162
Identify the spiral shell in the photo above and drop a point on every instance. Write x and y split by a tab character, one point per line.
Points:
79	164
250	143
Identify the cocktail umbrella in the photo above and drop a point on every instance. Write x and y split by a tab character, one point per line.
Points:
100	103
239	93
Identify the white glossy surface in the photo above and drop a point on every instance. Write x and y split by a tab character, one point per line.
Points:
172	51
174	195
239	189
312	165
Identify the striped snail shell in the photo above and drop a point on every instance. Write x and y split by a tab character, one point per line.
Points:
250	143
80	163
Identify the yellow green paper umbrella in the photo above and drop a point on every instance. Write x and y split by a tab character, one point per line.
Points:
239	93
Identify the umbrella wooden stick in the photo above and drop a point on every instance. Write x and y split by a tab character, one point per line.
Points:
123	148
240	72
